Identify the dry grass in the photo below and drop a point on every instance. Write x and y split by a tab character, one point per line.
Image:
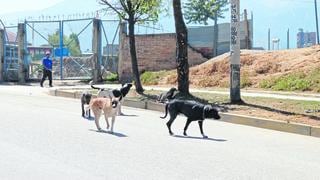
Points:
257	65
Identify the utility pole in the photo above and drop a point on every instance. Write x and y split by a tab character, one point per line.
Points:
235	52
288	39
269	39
316	14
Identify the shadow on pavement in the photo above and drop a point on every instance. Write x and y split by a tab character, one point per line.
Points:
108	132
200	138
129	115
89	118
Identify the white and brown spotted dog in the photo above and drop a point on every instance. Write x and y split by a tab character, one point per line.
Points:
124	90
107	105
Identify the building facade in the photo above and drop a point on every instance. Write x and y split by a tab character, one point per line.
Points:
306	39
202	37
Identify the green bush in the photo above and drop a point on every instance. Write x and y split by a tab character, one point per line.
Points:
290	82
151	78
112	77
314	77
245	80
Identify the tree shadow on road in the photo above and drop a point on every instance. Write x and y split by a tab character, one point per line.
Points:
280	111
111	133
200	138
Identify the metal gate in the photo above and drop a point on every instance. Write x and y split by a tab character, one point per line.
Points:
110	46
78	48
77	60
40	37
11	65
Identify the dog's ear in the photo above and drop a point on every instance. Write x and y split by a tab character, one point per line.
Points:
207	108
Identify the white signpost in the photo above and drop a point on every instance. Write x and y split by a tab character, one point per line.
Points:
235	52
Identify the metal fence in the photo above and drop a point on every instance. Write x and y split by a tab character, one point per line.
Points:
73	44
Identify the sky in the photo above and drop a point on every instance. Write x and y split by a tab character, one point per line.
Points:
278	15
9	6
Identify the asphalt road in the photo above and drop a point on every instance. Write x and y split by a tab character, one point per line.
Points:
44	137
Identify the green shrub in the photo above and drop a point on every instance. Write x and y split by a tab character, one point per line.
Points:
314	77
245	80
290	82
151	78
112	77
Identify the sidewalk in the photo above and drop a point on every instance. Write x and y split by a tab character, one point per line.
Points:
244	93
76	84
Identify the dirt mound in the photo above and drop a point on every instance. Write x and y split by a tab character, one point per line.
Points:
255	66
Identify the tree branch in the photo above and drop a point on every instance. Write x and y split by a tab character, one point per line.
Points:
112	7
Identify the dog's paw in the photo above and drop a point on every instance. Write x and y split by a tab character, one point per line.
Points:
185	134
205	137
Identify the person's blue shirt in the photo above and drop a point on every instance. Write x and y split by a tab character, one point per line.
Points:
47	63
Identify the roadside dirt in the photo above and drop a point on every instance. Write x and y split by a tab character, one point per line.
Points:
257	66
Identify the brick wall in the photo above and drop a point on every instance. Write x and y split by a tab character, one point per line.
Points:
155	52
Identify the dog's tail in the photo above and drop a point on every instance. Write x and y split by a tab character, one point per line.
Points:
166	112
95	87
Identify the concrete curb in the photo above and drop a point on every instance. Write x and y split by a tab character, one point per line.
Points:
226	117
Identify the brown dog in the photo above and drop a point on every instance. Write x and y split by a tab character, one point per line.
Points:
106	104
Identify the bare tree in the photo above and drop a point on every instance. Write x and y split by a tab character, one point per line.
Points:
181	49
134	11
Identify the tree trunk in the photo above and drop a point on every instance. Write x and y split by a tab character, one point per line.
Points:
181	49
215	37
133	53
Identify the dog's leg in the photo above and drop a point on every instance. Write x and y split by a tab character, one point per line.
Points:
201	129
119	110
169	123
96	119
106	118
112	123
82	107
186	127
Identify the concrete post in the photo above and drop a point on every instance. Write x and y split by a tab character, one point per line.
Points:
288	39
2	37
246	30
22	72
235	52
96	50
269	39
122	35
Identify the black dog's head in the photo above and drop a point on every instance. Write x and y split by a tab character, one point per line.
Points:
170	93
86	98
125	89
211	112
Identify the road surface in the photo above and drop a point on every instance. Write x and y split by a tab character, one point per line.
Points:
44	137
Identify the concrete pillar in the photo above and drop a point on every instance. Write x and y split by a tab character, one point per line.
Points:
246	30
22	72
2	37
235	52
122	35
96	50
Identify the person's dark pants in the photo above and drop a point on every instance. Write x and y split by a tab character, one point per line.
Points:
46	73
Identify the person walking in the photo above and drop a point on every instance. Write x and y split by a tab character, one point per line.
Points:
47	69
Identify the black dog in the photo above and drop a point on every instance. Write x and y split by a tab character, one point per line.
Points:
194	112
85	100
167	96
